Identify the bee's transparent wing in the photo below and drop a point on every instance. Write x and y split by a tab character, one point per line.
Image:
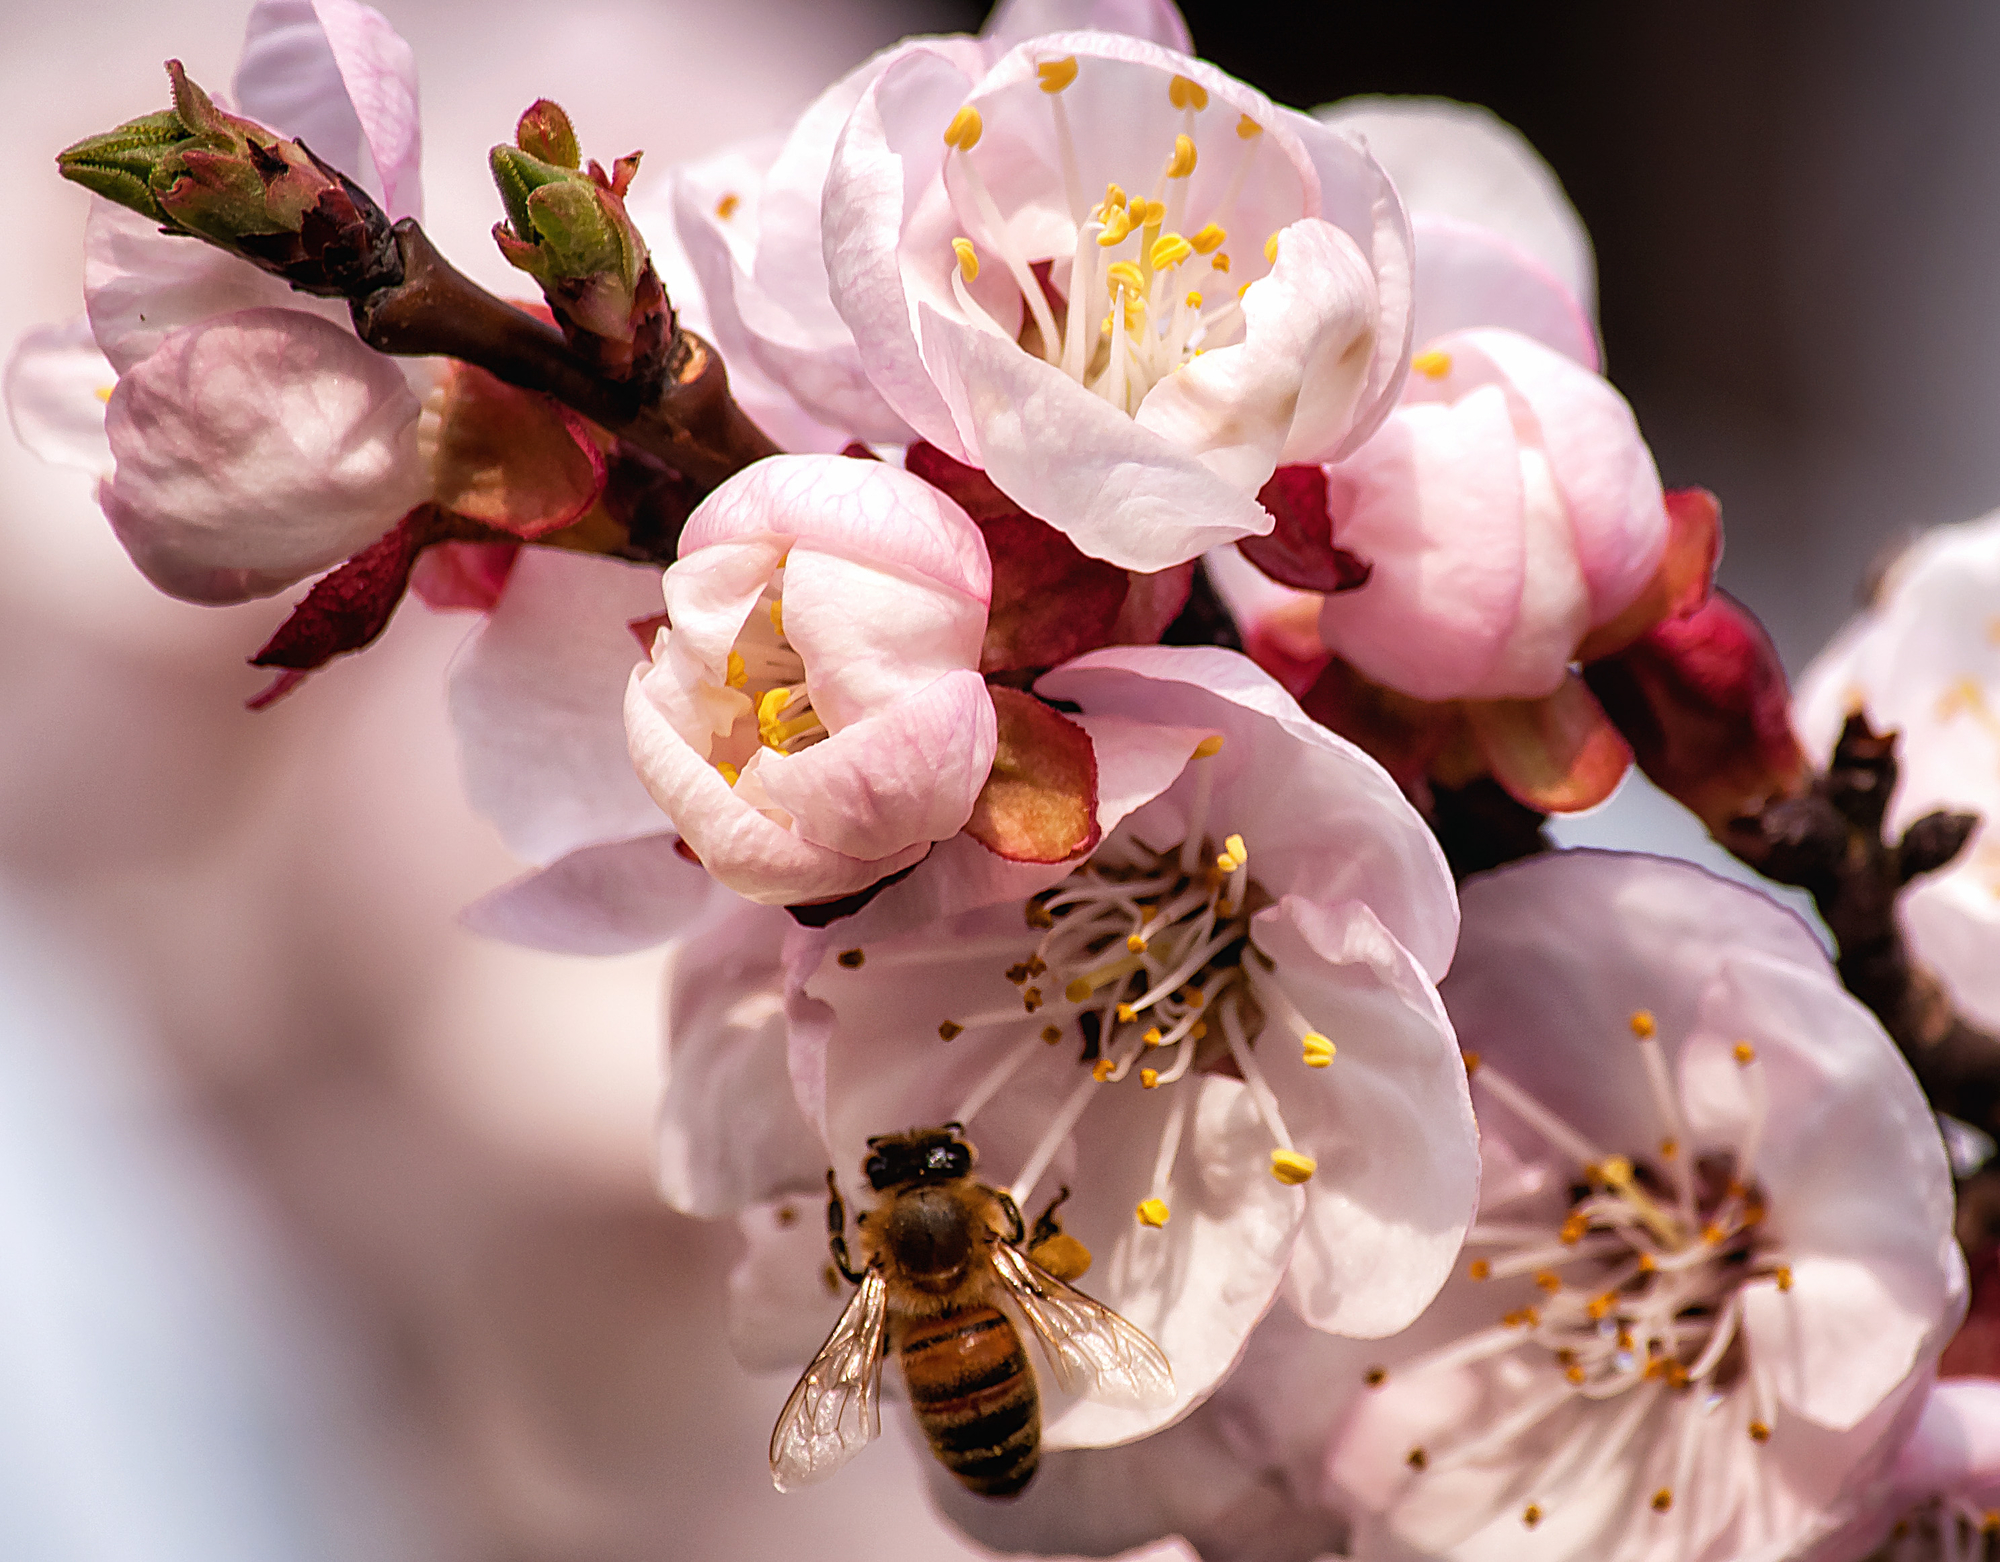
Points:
835	1411
1095	1353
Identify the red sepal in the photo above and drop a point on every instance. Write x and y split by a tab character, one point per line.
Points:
1300	550
1040	802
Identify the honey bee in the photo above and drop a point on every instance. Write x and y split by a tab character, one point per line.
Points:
942	1269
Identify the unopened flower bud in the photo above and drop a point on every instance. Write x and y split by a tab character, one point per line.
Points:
567	227
197	170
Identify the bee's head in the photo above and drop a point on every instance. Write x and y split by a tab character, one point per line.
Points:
923	1155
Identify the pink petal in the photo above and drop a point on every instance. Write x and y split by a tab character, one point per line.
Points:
57	383
256	449
141	285
1016	21
904	773
1460	161
1293	388
1389	1121
1956	1445
537	696
867	510
611	899
335	74
1472	276
1434	503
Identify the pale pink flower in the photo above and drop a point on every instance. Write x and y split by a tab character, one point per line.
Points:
749	217
813	718
1124	284
1715	1261
256	440
1223	1039
1925	660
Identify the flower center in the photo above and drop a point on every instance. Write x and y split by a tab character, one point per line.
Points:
765	688
1638	1300
1148	285
1145	963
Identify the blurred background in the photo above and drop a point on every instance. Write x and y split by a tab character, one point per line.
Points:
326	1229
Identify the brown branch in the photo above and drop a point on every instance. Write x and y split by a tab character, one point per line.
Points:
1830	843
432	309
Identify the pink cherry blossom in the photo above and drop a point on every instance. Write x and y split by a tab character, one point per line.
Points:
1509	506
1224	1040
750	220
1130	367
1924	660
813	719
1715	1260
1943	1497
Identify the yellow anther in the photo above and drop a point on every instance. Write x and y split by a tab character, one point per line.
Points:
727	771
1031	999
1318	1049
1235	847
1183	93
1432	365
737	674
1169	250
852	959
1126	1013
965	129
1124	274
1669	1148
1292	1167
1198	1030
1209	746
1181	164
1153	1212
1055	75
1102	1070
1745	1053
1783	1275
1243	289
1647	1263
726	207
1221	262
1078	991
1989	1521
1643	1024
1136	942
1248	128
1573	1373
1759	1432
1194	300
1271	249
1145	212
1714	1235
1052	1034
1548	1280
968	258
1208	239
1532	1514
1471	1064
1152	1037
1193	997
1416	1459
778	615
1114	199
1600	1306
1225	863
1375	1377
1617	1171
1573	1230
1149	1077
1135	311
1663	1499
950	1030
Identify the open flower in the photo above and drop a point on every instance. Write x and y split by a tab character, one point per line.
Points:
813	719
1943	1501
1219	1032
1122	283
750	220
1714	1257
1924	660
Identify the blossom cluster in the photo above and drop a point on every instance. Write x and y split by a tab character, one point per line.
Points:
1172	527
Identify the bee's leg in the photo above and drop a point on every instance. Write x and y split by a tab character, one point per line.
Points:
1019	1227
1046	1224
836	1231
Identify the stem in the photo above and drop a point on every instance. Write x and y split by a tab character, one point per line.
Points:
691	422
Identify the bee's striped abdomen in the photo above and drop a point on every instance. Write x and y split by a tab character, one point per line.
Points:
974	1395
